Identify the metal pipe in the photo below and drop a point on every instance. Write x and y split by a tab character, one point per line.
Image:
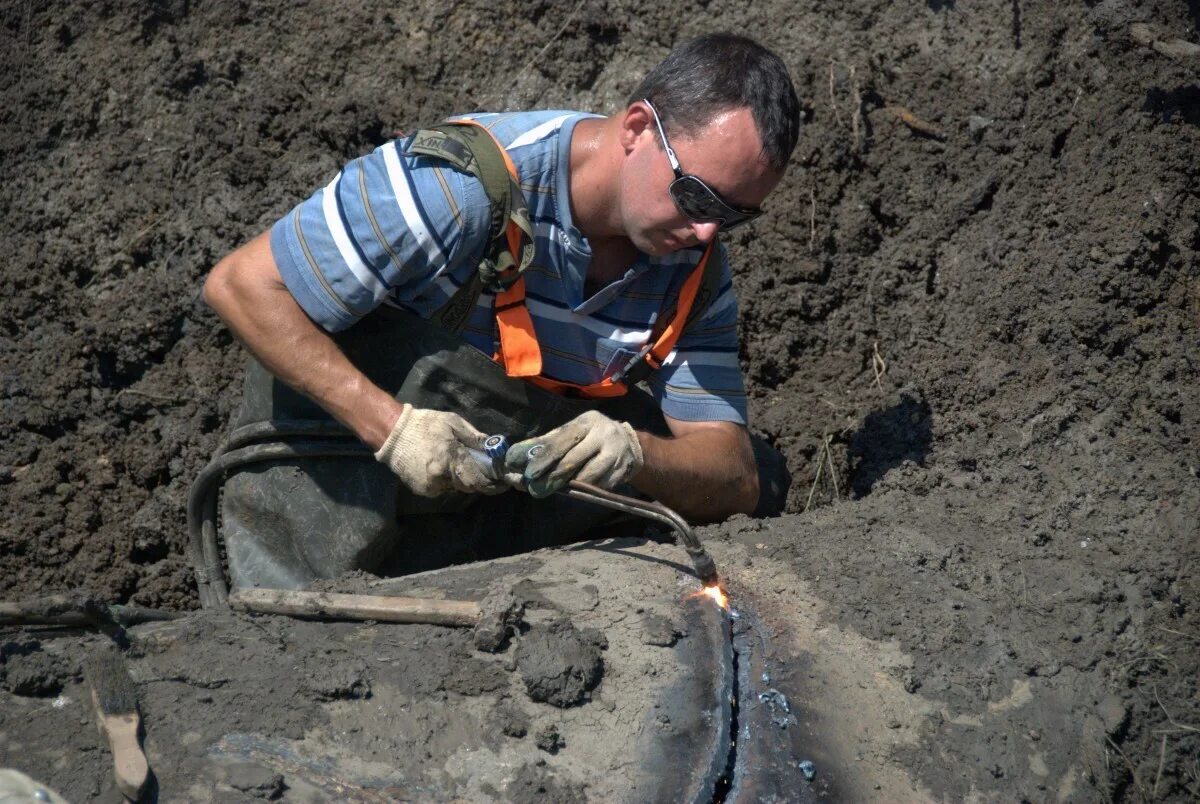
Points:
706	570
78	611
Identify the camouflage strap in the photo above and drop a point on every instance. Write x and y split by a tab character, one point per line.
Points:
471	149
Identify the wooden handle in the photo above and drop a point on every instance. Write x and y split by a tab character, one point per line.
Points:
335	606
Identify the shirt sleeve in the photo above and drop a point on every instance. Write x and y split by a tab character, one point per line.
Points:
701	379
388	224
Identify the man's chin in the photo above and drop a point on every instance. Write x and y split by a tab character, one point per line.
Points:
658	244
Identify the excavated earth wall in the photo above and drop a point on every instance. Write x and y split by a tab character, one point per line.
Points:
970	323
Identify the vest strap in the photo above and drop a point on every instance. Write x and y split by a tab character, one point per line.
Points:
470	147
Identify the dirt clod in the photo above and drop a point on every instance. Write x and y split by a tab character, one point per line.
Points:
255	780
333	676
511	721
558	664
659	631
499	617
27	669
548	739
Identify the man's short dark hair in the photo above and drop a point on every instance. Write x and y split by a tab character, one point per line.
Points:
718	72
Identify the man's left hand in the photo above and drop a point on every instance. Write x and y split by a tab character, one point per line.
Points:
591	448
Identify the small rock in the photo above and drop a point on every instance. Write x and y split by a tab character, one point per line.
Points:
775	698
255	780
659	631
591	597
1113	713
549	740
977	125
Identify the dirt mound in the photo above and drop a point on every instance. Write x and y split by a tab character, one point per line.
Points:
970	321
558	664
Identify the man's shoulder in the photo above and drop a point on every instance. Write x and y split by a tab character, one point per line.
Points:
518	129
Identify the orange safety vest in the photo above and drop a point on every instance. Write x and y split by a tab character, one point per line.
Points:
519	352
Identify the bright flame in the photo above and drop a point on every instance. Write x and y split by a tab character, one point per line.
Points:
718	595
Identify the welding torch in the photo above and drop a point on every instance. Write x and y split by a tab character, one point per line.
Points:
495	447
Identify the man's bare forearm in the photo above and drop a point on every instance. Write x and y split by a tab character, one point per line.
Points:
247	292
705	474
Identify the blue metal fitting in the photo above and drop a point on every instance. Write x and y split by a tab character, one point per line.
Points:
496	447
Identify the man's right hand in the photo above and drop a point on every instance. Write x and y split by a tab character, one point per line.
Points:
432	453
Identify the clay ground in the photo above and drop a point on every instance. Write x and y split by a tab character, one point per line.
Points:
980	331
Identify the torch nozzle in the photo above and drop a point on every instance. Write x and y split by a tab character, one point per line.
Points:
706	570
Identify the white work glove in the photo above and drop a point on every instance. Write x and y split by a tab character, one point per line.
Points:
433	452
591	447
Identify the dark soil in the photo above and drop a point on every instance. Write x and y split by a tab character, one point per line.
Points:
983	334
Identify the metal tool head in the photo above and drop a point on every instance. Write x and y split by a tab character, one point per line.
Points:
496	446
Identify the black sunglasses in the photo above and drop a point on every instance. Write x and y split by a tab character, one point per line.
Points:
695	199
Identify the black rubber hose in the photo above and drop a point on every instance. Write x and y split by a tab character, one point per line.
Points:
202	500
283	428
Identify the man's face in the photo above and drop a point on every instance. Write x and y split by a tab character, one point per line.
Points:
725	154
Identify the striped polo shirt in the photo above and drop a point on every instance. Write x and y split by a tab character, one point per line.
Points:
409	230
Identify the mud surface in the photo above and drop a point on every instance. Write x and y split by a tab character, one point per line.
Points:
979	326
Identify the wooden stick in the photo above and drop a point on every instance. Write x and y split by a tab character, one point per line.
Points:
915	123
76	611
335	606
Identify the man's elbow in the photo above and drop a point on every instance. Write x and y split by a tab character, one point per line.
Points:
740	488
748	498
737	495
218	285
242	279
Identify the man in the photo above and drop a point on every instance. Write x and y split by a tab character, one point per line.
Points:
623	209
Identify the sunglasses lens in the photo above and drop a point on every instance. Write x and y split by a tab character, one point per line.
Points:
695	200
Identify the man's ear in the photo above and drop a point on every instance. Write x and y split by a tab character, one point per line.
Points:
635	124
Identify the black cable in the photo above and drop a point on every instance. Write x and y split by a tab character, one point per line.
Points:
239	450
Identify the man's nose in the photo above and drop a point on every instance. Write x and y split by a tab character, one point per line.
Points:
705	231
